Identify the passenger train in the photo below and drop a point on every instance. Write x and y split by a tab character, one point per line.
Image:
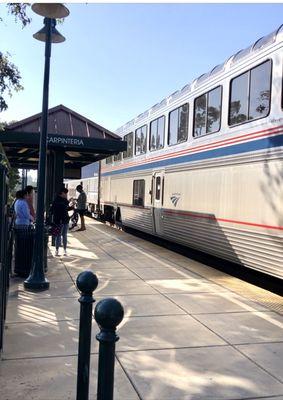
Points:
203	167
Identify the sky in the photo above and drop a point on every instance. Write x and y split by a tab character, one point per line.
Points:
119	60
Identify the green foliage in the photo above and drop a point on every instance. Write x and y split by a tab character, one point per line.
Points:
14	176
3	126
9	74
9	79
14	180
18	10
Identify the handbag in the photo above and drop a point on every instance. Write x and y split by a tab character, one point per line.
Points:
56	229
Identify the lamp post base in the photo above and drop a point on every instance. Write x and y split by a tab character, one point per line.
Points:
35	284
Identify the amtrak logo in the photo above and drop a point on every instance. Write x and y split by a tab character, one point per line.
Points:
175	198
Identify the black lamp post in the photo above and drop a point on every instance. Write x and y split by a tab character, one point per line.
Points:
51	11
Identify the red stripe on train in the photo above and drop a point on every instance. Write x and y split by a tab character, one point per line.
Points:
189	214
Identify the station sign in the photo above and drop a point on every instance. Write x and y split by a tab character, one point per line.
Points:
82	144
64	141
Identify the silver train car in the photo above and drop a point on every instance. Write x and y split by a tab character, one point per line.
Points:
203	167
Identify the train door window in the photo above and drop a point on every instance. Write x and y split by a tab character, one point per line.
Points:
250	94
207	112
138	192
141	140
178	125
162	197
118	157
156	136
157	187
109	160
129	139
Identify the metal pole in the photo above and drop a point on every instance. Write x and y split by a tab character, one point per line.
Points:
99	190
2	243
86	283
23	179
108	314
26	178
36	279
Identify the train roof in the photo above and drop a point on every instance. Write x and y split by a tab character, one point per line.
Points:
260	44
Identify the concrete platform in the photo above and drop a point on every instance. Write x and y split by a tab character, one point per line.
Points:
189	333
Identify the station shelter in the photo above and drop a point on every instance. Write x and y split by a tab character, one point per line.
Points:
73	142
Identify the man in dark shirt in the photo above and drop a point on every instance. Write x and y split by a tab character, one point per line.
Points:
81	206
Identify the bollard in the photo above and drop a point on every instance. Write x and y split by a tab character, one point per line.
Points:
86	283
108	314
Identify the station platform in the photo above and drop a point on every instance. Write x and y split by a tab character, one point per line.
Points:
190	332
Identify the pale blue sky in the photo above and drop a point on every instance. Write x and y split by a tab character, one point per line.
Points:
120	59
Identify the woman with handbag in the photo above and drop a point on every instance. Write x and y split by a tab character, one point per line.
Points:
59	210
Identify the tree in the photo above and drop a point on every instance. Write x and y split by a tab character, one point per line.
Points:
14	176
9	74
9	79
19	11
14	180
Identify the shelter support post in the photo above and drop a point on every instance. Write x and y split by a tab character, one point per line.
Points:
58	169
55	175
50	181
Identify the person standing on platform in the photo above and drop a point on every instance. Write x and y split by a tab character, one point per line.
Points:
30	190
59	209
81	207
23	217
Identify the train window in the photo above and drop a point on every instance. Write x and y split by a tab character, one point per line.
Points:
156	136
250	95
141	136
178	125
239	94
200	116
214	110
207	112
260	91
118	157
157	188
129	139
138	192
109	160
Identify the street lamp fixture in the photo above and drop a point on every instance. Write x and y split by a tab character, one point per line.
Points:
56	36
51	11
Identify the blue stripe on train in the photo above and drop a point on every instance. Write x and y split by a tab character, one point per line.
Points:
261	144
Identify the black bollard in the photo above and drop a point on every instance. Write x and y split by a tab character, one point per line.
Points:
86	283
108	314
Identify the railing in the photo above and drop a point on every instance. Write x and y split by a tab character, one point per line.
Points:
5	249
108	315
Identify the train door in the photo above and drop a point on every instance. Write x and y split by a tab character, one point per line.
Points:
157	201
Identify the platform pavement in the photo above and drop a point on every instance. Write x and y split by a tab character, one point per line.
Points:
187	333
